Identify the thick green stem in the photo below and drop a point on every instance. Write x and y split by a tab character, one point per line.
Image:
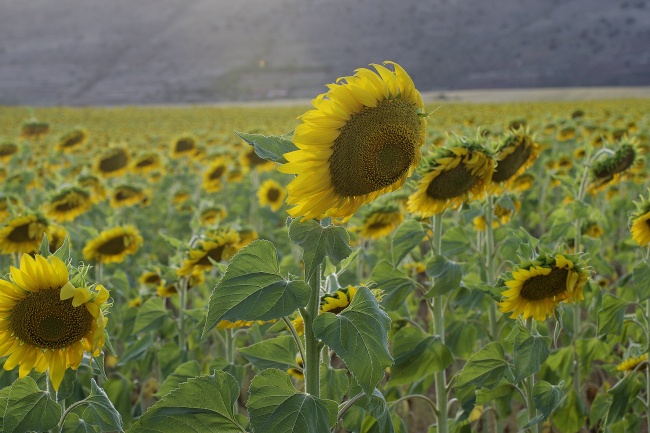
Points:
230	346
312	349
439	329
530	383
647	370
182	299
489	265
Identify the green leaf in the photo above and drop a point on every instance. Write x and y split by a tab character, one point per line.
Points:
26	408
151	315
181	374
275	406
279	352
73	424
202	404
455	241
318	242
570	416
417	355
530	352
546	397
642	281
99	411
271	148
610	318
64	251
598	410
375	405
484	395
359	336
622	393
44	249
408	236
334	383
253	289
447	275
394	284
485	368
136	350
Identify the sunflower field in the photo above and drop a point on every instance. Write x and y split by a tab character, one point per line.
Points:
373	263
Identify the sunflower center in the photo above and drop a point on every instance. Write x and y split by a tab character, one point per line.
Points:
375	149
184	145
545	286
8	149
43	320
273	195
214	254
508	166
113	163
73	139
113	246
152	279
217	173
20	234
452	183
125	194
146	162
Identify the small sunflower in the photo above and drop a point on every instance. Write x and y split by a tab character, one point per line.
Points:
183	146
68	204
197	277
630	364
362	140
128	195
147	163
22	234
381	221
609	170
135	302
150	278
34	129
218	246
517	153
71	141
246	236
452	175
592	229
535	289
212	215
502	215
113	245
95	186
566	133
640	223
213	175
298	373
113	163
46	323
271	194
7	151
227	324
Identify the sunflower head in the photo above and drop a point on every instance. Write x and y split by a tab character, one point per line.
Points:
640	222
630	364
513	156
212	215
128	195
22	234
214	174
537	287
34	129
71	141
94	185
68	204
362	140
113	245
381	221
608	171
49	321
146	163
183	146
453	175
271	194
113	163
7	151
217	246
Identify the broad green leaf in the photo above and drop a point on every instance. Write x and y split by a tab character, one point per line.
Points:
484	395
622	393
570	416
359	336
394	283
408	236
455	241
375	405
417	355
334	383
181	374
642	281
275	406
598	410
610	318
202	404
151	315
530	352
73	424
485	368
318	242
546	397
136	350
26	408
99	411
64	250
253	289
44	249
271	148
447	275
279	352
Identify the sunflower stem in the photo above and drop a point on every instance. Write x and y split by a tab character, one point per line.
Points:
489	266
530	383
230	346
647	370
255	185
312	350
439	329
182	299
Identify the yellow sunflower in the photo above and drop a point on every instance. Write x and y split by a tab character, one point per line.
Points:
183	146
150	278
68	204
535	289
7	204
380	222
362	140
46	323
630	364
271	194
592	229
502	215
197	277
298	373
34	129
22	234
212	176
7	151
71	141
146	163
640	223
218	246
609	170
452	176
128	195
246	236
113	245
95	186
212	215
113	163
517	153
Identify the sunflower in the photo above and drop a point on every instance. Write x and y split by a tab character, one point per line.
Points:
71	141
150	278
227	324
22	234
252	161
7	204
271	194
34	129
218	246
214	173
113	245
630	364
197	277
135	302
453	175
513	157
68	204
113	163
56	235
502	215
146	163
246	236
298	373
183	146
46	322
7	151
592	229
566	133
535	289
128	195
381	221
212	215
609	170
640	223
362	140
95	186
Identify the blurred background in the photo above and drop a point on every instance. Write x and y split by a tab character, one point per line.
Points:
92	52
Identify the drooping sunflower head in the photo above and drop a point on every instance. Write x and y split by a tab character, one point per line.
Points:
146	163
113	163
513	156
218	246
608	171
71	141
630	364
113	245
381	221
183	146
453	175
212	215
640	223
536	288
271	194
95	186
362	140
213	175
34	129
151	278
128	195
68	204
47	323
22	234
7	151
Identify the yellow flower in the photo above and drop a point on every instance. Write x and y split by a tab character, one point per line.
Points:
113	245
212	215
517	153
45	322
537	288
113	163
128	195
380	222
22	234
212	176
147	163
630	364
219	246
68	204
271	194
95	186
640	223
7	151
71	141
183	146
362	140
